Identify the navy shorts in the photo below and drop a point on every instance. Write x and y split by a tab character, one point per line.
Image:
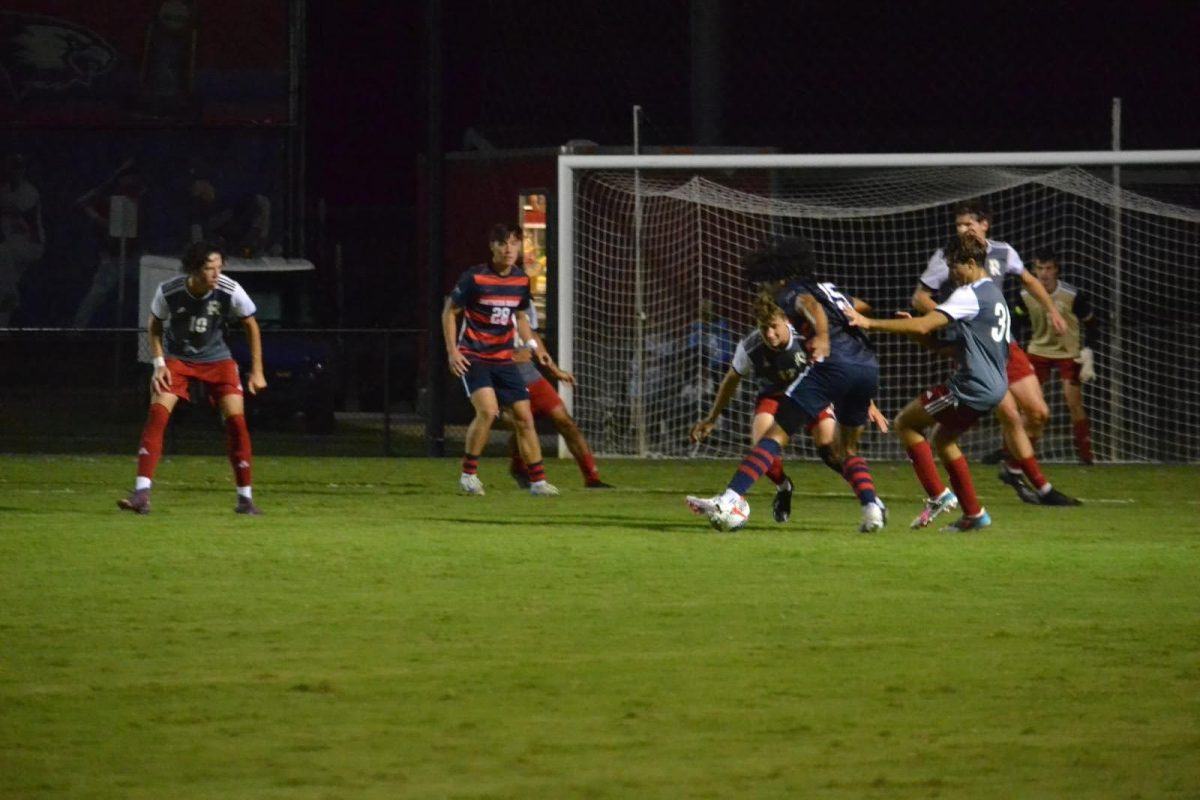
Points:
504	378
848	386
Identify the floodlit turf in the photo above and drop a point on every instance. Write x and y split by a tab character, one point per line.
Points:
375	635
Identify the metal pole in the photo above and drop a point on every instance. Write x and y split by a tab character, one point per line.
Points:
1116	406
639	307
435	420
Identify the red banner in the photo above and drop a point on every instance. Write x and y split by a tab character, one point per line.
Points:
144	62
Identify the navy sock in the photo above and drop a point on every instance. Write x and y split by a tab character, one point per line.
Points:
757	461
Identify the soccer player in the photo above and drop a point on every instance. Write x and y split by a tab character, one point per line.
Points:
1023	411
1066	352
188	318
545	402
841	371
487	298
980	319
774	354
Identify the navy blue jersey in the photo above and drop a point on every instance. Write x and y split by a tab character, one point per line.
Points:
846	343
195	326
981	324
773	369
489	302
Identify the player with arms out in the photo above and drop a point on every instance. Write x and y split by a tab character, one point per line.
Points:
487	298
545	402
841	372
1023	411
1068	353
188	318
980	320
774	354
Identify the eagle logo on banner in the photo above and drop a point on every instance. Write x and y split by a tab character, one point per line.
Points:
48	54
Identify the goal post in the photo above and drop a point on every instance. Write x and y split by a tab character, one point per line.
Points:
650	295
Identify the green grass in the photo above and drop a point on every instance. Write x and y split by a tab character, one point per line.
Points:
377	636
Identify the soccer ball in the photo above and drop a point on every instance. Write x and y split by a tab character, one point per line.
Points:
730	516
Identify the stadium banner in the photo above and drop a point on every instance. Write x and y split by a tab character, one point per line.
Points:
79	63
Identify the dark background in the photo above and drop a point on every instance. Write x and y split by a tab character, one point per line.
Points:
807	77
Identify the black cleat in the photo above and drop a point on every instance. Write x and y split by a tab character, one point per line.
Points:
781	506
138	502
596	483
1023	490
1056	498
246	506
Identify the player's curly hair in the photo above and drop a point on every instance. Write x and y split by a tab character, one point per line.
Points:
780	258
964	248
197	253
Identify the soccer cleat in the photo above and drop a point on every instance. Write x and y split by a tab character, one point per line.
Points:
1022	489
520	477
874	517
706	506
781	506
944	502
1056	498
470	484
596	483
246	506
982	520
540	489
138	502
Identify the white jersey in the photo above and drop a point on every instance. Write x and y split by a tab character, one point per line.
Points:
1002	260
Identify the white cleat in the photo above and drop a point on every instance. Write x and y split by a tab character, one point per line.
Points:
874	517
470	484
705	506
543	489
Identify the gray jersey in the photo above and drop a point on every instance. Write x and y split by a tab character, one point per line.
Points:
195	326
980	320
1002	260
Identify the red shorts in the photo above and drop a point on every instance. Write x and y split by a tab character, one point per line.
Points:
1018	364
947	411
219	377
769	404
1068	368
542	397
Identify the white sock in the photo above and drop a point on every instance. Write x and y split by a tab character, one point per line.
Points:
729	496
141	483
244	491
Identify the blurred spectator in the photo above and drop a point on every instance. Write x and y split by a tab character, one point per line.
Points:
112	208
22	237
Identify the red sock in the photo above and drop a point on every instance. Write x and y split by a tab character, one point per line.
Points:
537	472
921	456
470	464
964	487
150	448
587	465
237	437
1032	471
775	472
1083	441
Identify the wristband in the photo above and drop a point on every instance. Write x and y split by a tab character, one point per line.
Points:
532	344
159	361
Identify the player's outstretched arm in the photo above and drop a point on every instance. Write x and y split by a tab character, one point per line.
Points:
1035	288
160	381
704	426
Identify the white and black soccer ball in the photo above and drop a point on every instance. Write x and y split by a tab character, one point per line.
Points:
730	517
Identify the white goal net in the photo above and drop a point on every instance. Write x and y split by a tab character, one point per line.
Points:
651	300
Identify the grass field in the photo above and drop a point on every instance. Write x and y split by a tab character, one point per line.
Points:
377	636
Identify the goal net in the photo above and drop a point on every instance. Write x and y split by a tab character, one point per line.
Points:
651	300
